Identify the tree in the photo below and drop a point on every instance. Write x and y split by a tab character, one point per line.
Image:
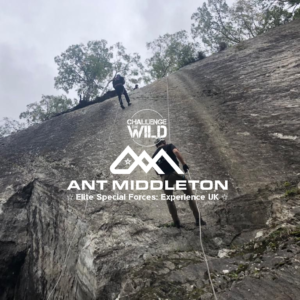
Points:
46	108
90	68
292	6
216	22
291	3
170	53
256	17
212	24
10	126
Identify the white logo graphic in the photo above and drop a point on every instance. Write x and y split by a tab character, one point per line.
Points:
145	126
138	160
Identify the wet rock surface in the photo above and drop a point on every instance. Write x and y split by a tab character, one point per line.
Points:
235	117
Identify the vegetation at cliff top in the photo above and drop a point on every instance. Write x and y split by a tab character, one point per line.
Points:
89	69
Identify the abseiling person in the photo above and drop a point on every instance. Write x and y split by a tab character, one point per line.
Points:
170	177
118	84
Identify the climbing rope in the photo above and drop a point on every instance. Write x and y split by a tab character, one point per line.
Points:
169	124
201	244
85	209
200	228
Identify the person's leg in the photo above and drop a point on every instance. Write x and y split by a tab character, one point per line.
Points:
192	203
171	204
173	211
119	91
126	95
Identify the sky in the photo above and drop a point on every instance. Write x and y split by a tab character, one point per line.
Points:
33	32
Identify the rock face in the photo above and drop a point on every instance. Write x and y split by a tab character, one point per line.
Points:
235	116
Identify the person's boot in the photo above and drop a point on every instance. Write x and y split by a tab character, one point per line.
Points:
123	107
203	223
129	103
177	224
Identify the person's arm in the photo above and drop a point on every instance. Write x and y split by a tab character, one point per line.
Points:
181	159
179	156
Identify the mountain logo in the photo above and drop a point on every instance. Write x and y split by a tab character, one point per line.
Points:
138	161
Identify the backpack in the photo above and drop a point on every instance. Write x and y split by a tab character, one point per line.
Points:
118	80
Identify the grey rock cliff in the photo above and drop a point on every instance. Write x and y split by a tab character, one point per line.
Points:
235	116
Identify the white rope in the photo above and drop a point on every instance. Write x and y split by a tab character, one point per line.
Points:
85	209
201	244
200	229
169	123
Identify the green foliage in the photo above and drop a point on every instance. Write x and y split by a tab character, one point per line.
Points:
296	14
242	268
296	232
291	192
216	22
287	184
294	2
167	225
47	107
295	6
170	52
90	68
233	275
212	24
275	12
8	126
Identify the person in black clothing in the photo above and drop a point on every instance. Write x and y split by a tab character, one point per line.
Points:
170	176
118	84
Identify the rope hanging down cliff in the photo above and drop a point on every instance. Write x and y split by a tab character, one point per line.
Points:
200	229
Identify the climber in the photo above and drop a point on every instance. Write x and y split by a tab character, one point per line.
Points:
118	84
136	87
170	176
